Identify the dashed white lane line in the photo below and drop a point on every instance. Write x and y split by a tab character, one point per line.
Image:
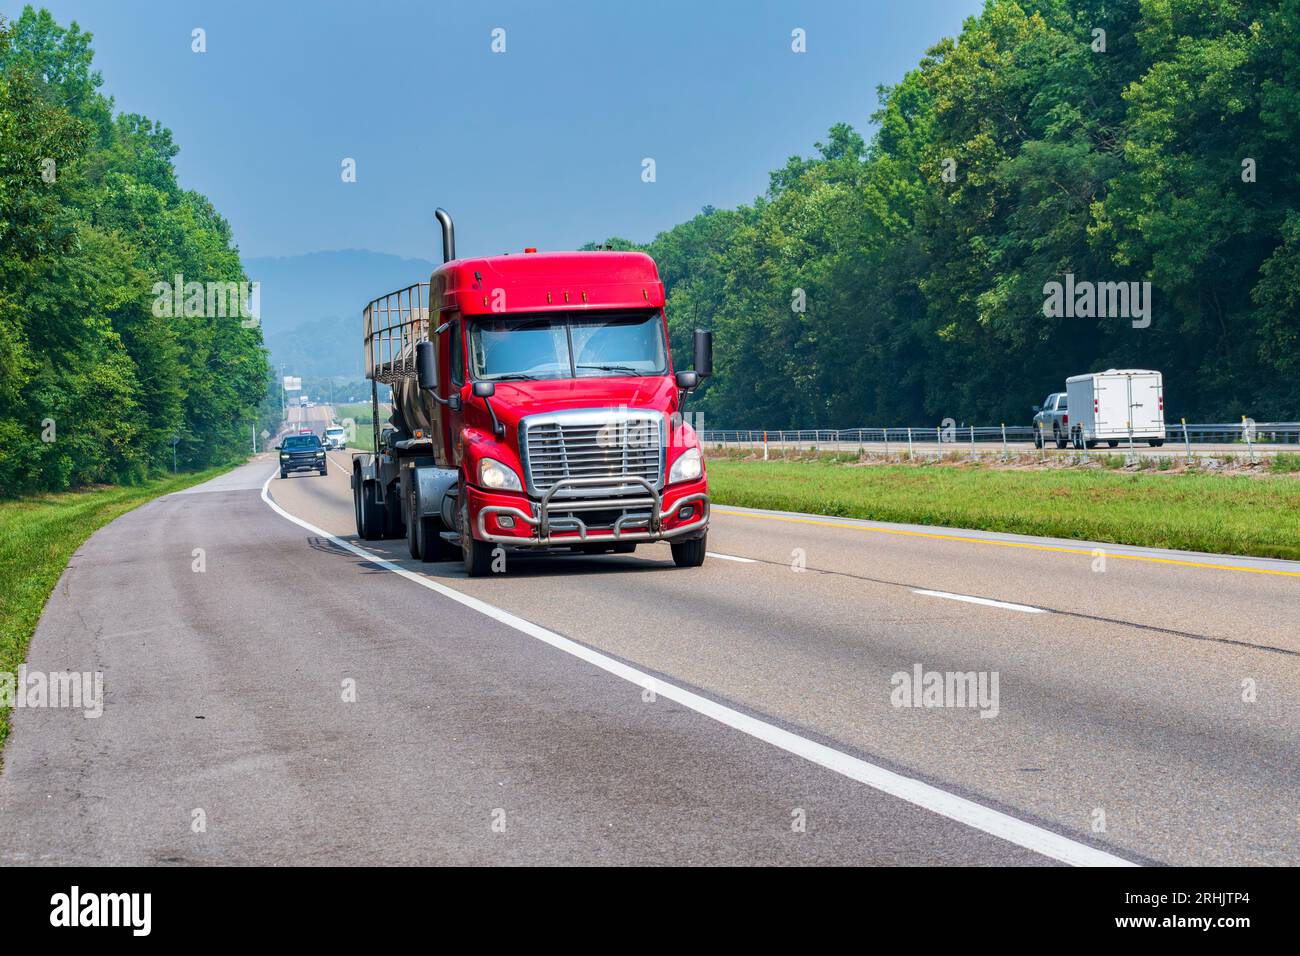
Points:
989	602
730	557
994	822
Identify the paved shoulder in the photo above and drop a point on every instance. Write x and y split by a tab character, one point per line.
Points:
270	698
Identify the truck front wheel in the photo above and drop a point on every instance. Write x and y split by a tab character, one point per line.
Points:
690	554
476	554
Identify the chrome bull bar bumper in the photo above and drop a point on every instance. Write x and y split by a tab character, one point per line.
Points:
633	525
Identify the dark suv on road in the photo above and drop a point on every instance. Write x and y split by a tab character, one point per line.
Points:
301	453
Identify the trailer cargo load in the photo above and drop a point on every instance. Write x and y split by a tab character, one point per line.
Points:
1117	405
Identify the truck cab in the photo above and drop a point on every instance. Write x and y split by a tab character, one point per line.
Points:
535	408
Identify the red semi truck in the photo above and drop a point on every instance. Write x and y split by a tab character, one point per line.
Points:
535	407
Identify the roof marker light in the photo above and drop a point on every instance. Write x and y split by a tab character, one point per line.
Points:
530	249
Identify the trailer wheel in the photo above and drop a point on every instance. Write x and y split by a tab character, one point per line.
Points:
1113	444
370	513
690	554
1157	443
394	526
429	543
413	539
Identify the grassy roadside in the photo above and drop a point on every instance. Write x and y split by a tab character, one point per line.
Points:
39	534
1193	512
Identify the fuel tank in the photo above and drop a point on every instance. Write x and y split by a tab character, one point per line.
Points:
412	409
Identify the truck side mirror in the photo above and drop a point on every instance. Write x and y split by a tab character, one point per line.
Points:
687	379
485	389
426	366
703	353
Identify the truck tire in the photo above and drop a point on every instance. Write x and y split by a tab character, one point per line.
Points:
1157	443
394	526
1038	438
1056	436
412	539
370	513
283	474
429	543
476	554
690	554
1113	444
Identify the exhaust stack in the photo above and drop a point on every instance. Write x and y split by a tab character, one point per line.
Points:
448	234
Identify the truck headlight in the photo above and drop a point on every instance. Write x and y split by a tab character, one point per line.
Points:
688	466
493	474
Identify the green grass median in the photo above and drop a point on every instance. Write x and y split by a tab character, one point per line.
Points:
1222	514
38	535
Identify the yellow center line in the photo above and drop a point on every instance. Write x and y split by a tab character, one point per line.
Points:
1006	544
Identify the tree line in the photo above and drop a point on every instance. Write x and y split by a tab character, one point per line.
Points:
1087	143
97	382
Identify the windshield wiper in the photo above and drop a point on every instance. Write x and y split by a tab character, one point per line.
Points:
614	368
511	376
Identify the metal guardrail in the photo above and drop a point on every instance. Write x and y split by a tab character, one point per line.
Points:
1249	435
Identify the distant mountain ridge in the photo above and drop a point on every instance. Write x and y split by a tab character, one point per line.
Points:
311	305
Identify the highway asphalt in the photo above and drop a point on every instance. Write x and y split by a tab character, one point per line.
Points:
615	709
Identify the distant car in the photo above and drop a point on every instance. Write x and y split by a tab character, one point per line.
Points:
336	436
1052	418
302	453
305	431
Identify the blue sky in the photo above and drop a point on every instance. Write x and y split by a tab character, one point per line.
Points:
539	146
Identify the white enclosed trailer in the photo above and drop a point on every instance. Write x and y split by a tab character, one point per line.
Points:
1115	406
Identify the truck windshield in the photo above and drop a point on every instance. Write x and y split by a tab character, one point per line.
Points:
568	345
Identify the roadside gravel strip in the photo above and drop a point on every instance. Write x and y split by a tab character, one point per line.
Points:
1004	826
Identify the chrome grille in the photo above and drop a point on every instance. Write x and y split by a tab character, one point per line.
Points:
593	444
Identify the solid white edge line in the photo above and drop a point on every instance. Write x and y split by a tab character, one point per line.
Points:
988	602
985	819
730	557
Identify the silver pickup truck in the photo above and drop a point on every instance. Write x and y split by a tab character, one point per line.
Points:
1052	421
